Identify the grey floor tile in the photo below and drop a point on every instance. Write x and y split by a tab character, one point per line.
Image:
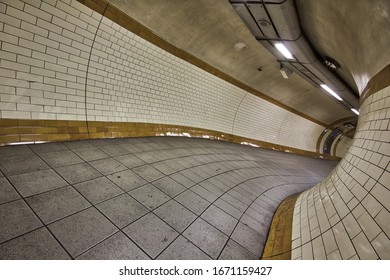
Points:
148	172
130	161
1	174
89	154
234	251
252	223
234	202
176	215
36	245
240	197
81	231
228	208
76	145
57	204
78	173
127	180
149	196
98	190
16	218
116	247
113	150
164	168
21	164
199	190
48	147
182	249
16	150
219	219
7	191
193	176
36	182
169	186
122	210
192	201
61	158
206	237
249	239
211	188
183	180
151	234
107	166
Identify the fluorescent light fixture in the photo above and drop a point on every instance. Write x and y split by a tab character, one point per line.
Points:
328	89
355	111
284	51
286	72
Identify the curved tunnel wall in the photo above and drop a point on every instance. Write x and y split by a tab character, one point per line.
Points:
60	60
346	216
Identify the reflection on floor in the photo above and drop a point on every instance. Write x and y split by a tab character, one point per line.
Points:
144	198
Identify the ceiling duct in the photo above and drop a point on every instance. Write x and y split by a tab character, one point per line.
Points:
276	21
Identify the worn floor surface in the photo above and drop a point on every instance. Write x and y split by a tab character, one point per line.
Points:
144	198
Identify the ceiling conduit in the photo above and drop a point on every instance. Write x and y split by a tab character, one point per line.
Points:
276	21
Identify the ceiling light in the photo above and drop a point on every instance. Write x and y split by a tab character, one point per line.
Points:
355	111
325	87
284	51
286	72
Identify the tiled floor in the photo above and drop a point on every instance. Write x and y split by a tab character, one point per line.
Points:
144	198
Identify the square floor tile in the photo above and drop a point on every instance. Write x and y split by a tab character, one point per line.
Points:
48	147
234	201
130	161
234	251
98	190
76	145
16	218
61	158
192	201
219	219
15	150
21	164
169	186
36	182
164	168
151	234
57	204
127	180
199	190
78	173
183	180
36	245
113	150
176	215
206	237
89	154
228	208
149	196
182	249
249	239
7	192
148	172
81	231
107	166
122	210
116	247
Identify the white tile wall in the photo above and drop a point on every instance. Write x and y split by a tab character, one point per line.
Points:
50	55
355	196
343	146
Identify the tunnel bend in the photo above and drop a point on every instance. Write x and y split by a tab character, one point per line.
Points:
70	74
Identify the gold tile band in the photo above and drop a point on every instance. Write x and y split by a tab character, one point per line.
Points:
278	245
17	130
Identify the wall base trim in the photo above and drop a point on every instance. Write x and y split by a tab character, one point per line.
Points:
19	131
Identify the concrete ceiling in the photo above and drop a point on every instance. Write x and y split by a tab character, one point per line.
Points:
210	29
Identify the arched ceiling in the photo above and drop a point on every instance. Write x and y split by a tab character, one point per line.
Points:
210	29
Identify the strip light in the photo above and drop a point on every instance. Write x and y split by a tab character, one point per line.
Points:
328	89
284	51
355	111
